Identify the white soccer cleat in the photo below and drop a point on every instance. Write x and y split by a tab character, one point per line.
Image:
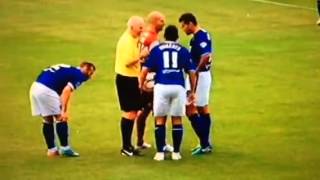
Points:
168	148
159	156
176	156
318	22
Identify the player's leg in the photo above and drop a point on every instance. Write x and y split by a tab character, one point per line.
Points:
160	110
48	134
130	102
194	118
202	94
147	101
207	123
177	111
127	124
141	124
160	137
62	129
46	103
177	134
193	115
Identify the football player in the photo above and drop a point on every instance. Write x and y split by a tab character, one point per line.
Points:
50	96
169	60
201	53
149	38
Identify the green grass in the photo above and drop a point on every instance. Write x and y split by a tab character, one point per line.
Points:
265	96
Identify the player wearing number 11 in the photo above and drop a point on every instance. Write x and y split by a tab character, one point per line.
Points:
50	96
169	60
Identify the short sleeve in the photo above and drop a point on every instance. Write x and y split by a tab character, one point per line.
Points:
151	60
187	61
204	44
77	79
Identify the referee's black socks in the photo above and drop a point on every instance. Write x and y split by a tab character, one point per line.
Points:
126	132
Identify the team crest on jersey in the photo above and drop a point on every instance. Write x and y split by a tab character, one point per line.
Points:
203	44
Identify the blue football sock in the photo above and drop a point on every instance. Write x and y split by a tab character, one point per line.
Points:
160	136
177	133
126	132
48	133
195	123
198	127
206	128
63	132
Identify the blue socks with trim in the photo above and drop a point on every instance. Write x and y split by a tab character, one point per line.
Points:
48	133
63	132
160	136
177	134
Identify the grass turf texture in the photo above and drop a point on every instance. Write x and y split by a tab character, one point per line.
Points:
266	93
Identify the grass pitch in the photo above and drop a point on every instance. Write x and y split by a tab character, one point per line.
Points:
265	96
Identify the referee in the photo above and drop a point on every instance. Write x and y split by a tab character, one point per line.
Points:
127	68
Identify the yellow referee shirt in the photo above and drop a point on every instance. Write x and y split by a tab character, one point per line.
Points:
127	51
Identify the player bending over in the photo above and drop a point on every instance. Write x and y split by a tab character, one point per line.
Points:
50	96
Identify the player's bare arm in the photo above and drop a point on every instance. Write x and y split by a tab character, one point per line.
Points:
65	102
143	76
205	59
192	79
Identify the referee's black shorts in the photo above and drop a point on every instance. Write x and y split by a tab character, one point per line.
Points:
128	93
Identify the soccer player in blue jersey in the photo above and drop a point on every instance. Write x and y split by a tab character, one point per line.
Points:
50	96
169	60
201	53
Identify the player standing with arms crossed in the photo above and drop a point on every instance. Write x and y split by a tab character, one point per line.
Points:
201	54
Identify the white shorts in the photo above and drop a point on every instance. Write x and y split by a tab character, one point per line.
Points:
44	101
203	88
169	100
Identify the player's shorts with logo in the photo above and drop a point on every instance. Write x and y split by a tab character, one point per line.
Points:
44	101
169	100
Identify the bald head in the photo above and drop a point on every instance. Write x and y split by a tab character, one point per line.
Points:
156	20
135	25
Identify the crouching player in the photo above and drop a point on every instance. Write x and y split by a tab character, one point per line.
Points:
50	96
169	60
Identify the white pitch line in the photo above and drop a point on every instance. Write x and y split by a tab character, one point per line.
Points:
284	4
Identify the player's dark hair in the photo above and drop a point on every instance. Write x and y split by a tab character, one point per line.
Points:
186	18
171	33
88	64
